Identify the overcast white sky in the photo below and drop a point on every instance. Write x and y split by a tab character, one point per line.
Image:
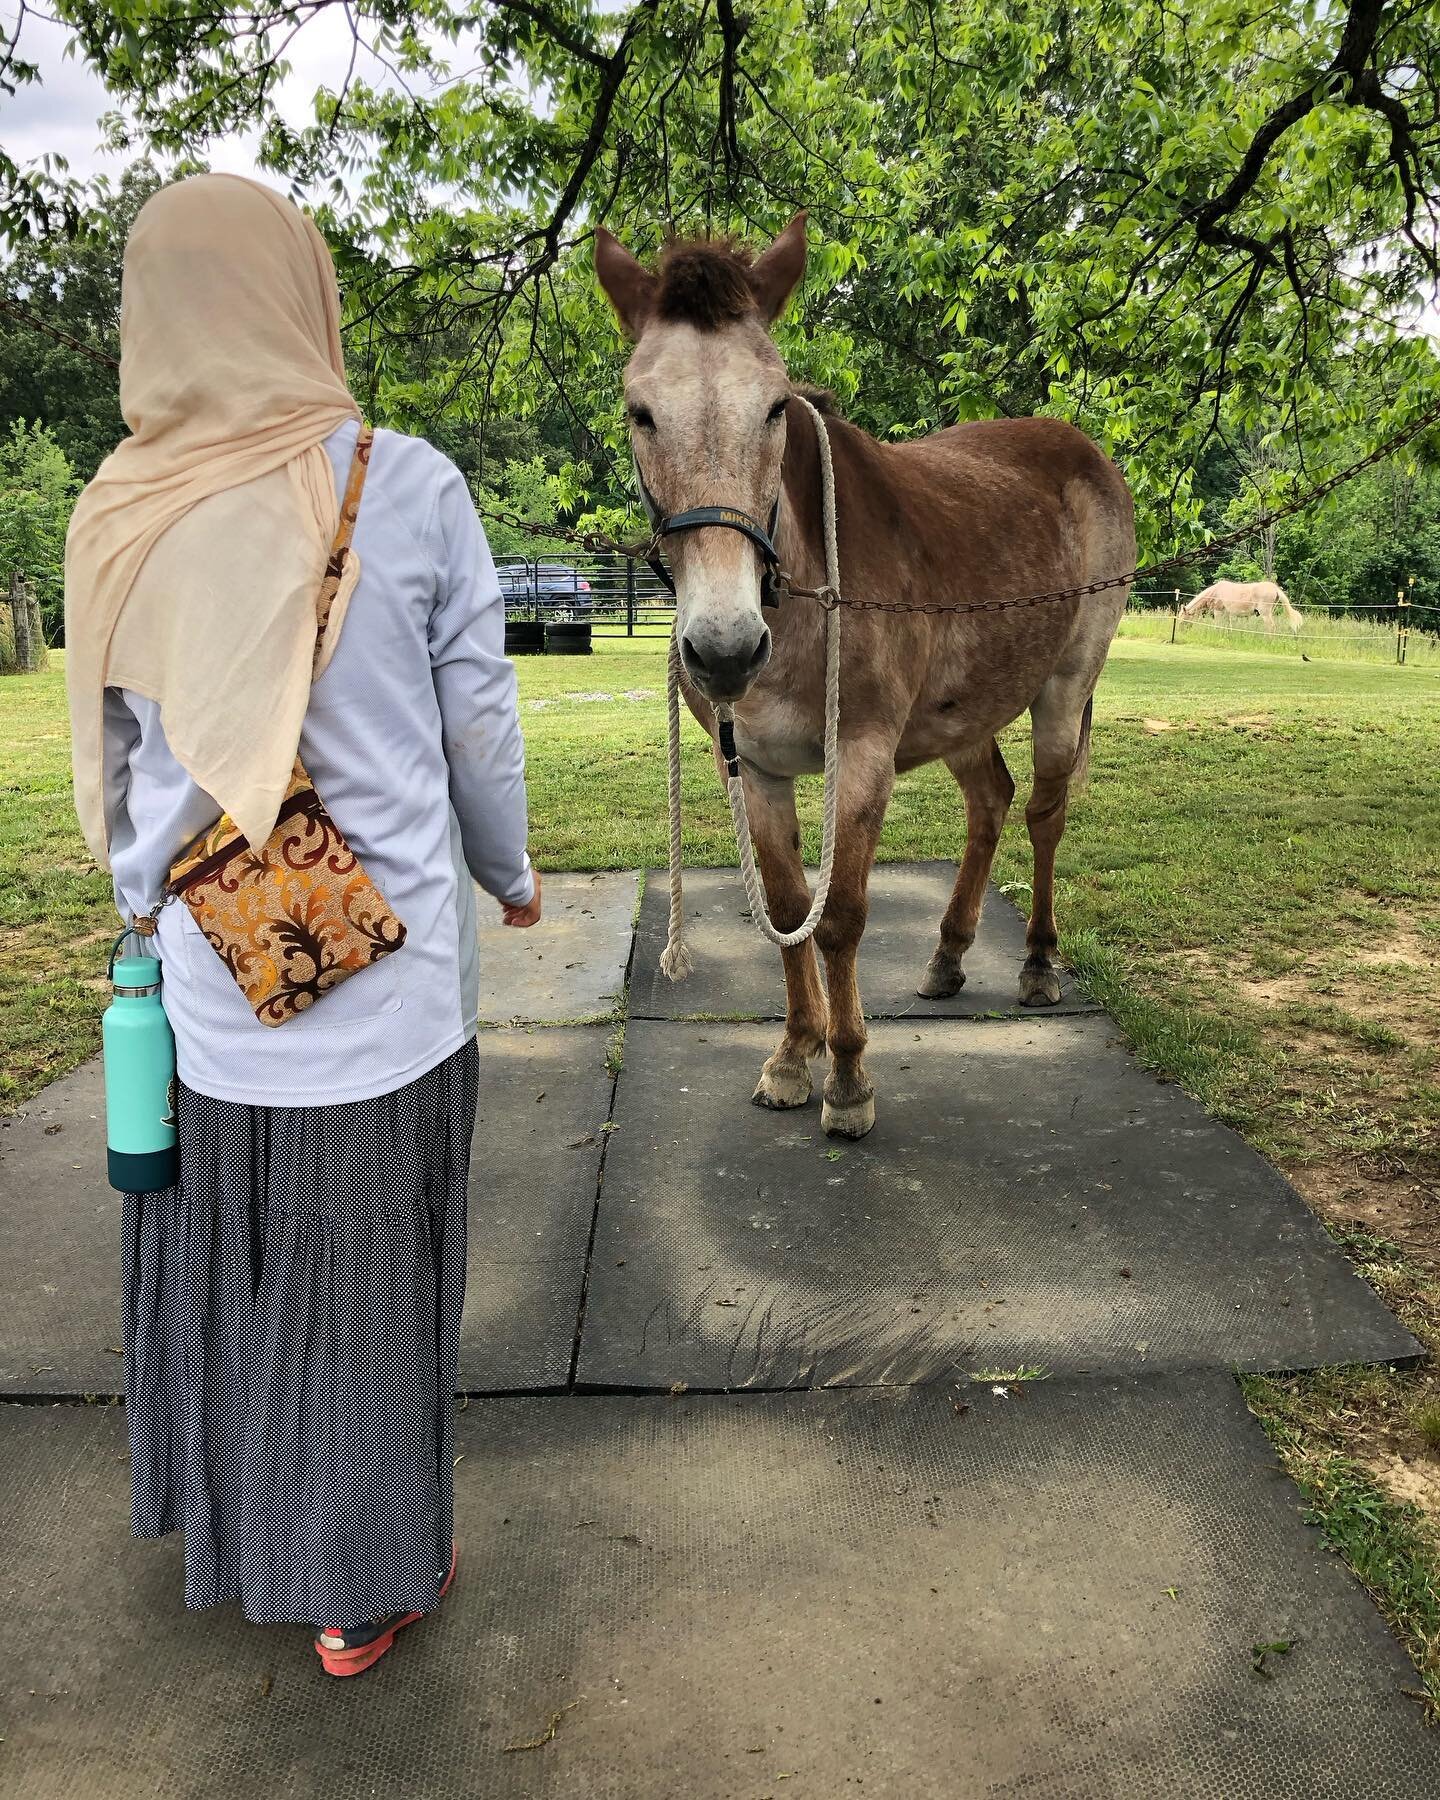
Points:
61	113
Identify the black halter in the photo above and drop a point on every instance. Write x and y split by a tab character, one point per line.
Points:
665	525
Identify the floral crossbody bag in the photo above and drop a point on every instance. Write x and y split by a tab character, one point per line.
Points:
299	915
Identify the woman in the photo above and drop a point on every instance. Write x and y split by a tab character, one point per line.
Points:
293	1304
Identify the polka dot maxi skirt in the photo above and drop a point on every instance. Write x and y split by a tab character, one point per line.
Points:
292	1325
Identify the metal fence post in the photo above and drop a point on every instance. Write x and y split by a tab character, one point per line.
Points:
1175	616
629	596
1402	625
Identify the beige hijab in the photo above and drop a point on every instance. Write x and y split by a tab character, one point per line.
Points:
195	556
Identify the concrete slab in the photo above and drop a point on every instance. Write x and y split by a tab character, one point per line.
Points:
1030	1195
534	1174
61	1330
804	1596
571	966
738	975
534	1171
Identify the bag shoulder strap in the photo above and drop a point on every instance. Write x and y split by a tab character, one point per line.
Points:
345	530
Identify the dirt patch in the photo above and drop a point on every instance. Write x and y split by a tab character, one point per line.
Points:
1154	727
598	698
1388	1221
1414	1479
1386	1443
1407	946
1354	988
1392	1204
1383	1439
1275	990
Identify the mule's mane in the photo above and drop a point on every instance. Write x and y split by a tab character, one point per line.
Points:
821	398
705	282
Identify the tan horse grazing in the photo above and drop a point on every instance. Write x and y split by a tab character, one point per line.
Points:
1243	600
1009	507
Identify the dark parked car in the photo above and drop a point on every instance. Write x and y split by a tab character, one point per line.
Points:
544	590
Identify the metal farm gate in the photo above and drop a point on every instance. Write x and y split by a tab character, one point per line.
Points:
616	595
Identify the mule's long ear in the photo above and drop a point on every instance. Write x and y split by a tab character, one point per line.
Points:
629	286
777	273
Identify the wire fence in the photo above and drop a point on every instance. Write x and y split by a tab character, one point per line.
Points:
1403	630
561	603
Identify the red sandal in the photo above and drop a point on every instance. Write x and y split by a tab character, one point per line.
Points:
352	1652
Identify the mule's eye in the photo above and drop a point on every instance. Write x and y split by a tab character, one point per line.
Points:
777	411
643	417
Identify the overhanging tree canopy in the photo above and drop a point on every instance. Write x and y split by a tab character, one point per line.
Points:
1168	224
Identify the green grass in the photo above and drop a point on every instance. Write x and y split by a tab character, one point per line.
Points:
1426	1420
56	917
1246	814
1389	1544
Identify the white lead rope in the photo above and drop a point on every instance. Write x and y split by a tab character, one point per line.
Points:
676	962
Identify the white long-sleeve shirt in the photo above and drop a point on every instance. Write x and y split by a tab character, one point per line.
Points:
412	739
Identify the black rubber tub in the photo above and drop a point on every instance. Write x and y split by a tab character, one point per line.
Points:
568	637
524	637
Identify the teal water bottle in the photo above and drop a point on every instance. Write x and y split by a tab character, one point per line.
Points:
139	1057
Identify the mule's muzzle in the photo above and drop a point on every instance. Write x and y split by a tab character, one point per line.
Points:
724	667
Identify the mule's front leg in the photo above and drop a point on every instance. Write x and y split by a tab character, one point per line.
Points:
867	774
775	831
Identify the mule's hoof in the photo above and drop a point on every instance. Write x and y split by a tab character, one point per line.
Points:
943	977
1039	987
848	1121
782	1088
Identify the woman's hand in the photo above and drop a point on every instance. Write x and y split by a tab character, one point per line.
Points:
529	914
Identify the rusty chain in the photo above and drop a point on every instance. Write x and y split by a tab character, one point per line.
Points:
1182	559
827	597
598	544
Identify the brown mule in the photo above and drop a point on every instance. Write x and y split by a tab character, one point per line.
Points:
986	510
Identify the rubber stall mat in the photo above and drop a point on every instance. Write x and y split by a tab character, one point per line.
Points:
1029	1195
1064	1597
738	974
544	1098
